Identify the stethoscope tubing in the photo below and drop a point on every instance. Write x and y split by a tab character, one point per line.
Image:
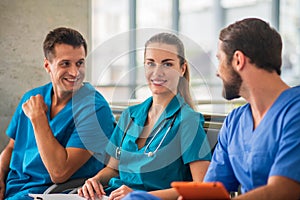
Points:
157	130
149	154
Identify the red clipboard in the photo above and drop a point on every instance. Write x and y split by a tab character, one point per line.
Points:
201	190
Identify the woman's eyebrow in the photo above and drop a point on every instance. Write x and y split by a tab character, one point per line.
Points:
165	60
150	59
168	59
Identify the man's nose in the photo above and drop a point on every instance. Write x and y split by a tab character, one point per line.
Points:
74	70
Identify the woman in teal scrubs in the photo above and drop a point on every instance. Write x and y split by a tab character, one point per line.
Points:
160	140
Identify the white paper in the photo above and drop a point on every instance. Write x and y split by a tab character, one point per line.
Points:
61	197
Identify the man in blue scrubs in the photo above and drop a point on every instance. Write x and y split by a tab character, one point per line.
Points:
59	130
259	143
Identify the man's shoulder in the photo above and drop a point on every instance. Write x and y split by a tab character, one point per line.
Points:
42	90
296	88
293	92
88	91
237	113
89	96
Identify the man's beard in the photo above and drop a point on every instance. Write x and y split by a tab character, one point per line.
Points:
231	89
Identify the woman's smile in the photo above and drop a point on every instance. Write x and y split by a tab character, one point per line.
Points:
158	82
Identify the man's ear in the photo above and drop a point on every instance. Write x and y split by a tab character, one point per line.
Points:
47	65
238	60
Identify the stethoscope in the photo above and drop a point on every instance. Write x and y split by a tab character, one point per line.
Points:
155	131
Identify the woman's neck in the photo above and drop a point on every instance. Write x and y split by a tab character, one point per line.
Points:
160	102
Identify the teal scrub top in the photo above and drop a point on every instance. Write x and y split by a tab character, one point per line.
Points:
185	142
85	122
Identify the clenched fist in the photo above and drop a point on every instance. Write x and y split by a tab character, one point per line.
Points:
35	107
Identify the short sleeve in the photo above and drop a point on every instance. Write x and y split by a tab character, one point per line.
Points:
94	124
118	132
12	127
15	120
194	143
287	156
220	168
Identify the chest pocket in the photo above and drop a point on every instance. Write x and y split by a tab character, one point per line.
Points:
260	164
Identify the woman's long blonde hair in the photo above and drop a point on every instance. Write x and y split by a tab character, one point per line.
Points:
184	82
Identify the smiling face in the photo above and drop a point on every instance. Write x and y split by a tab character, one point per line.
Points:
232	81
66	69
162	68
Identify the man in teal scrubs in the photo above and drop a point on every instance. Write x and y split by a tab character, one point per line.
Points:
59	130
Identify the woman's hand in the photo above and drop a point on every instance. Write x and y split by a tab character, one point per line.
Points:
91	189
120	192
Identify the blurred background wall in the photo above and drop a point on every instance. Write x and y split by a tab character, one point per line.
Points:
116	31
24	25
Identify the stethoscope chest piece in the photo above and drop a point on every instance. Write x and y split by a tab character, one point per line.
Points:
150	154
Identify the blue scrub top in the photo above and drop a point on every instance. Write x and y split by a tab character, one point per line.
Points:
249	157
184	143
85	122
